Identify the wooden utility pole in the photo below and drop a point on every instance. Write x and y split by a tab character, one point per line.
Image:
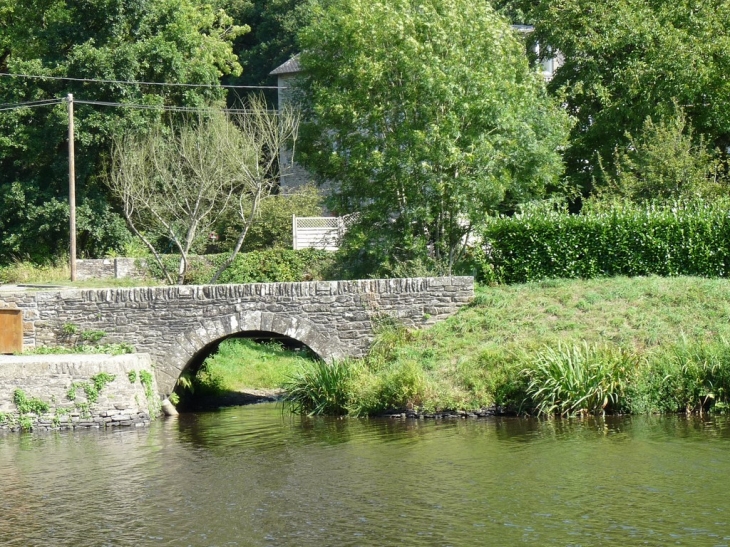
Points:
71	184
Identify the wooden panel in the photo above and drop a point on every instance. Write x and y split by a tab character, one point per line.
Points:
11	331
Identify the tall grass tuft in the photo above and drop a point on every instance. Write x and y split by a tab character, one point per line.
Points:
319	388
579	379
685	377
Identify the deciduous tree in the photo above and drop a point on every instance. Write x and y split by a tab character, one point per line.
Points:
175	184
152	41
427	117
627	60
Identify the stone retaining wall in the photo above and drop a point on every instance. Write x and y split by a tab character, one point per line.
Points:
62	382
111	268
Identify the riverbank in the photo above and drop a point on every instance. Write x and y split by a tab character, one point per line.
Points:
561	346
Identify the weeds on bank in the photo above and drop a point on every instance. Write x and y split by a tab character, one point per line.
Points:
87	342
572	380
578	379
319	388
28	272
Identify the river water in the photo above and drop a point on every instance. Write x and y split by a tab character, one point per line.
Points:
253	476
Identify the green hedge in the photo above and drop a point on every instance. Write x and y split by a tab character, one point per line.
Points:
269	266
278	265
624	239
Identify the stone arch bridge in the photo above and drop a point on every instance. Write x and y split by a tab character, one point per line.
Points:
174	324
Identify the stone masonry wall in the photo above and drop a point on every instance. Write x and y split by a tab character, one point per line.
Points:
334	318
110	268
59	381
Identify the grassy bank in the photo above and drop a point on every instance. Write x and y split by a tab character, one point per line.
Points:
567	346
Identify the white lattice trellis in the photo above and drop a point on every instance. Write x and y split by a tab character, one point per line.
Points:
320	232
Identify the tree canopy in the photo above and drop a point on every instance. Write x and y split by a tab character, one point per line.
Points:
272	40
426	117
629	60
140	40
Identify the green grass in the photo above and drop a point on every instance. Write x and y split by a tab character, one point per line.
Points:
109	349
241	363
470	359
28	272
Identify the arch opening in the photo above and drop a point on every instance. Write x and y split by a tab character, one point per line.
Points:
192	346
216	384
259	336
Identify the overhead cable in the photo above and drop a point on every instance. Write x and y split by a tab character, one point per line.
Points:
133	82
138	106
29	104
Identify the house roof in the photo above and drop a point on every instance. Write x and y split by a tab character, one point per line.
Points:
290	67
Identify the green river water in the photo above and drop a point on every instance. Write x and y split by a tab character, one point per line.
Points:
253	476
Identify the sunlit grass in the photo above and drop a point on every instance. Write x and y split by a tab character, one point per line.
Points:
28	272
241	363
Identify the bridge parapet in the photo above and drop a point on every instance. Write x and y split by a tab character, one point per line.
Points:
334	318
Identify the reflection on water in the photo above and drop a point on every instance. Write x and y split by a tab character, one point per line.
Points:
253	476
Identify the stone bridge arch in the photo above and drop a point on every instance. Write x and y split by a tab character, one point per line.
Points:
172	324
211	331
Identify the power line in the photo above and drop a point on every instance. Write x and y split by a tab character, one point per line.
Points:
138	106
29	104
134	82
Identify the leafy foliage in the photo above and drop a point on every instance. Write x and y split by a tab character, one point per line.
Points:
628	60
267	266
685	377
274	25
273	226
664	163
614	239
426	115
156	40
277	265
29	405
91	389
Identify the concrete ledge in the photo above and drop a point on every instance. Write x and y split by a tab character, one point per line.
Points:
66	384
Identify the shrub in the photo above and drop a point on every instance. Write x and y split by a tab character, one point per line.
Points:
273	227
269	266
666	161
685	377
278	265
